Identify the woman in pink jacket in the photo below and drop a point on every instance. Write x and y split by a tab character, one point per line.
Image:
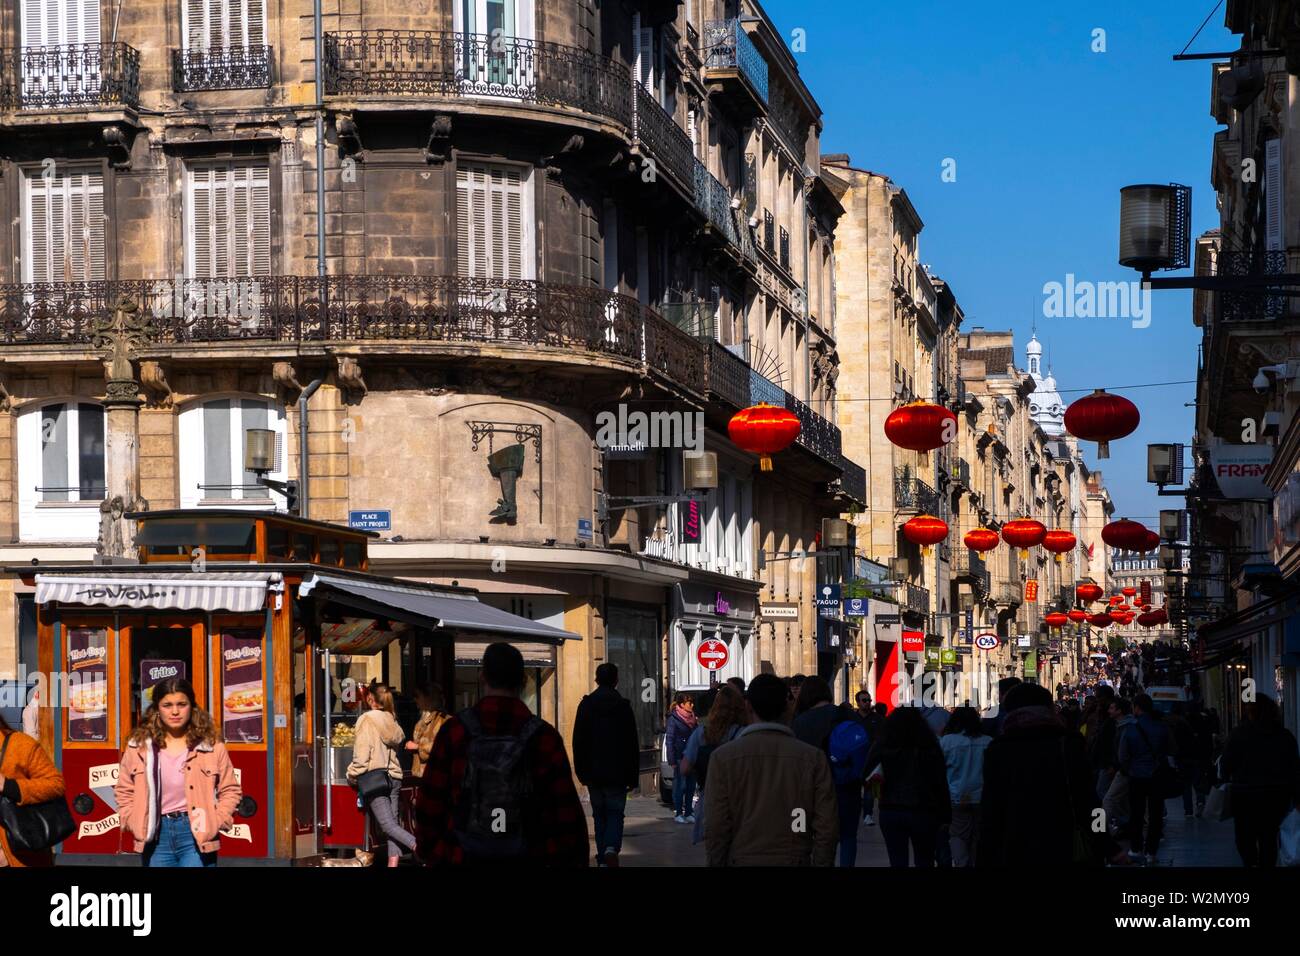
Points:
176	788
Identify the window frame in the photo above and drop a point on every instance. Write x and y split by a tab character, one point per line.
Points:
73	520
191	442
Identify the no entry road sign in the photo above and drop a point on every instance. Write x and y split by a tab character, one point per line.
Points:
712	655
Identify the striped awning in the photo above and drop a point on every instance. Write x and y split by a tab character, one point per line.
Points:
236	591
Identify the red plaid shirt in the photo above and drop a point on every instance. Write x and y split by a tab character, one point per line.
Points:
555	826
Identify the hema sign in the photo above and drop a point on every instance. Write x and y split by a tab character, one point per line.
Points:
1239	470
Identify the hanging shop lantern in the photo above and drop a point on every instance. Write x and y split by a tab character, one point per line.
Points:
1122	607
764	430
1100	620
1103	418
1077	616
1128	592
1056	619
981	539
1059	543
1116	599
1126	535
1154	618
1150	543
1088	592
925	530
1116	615
921	426
1023	533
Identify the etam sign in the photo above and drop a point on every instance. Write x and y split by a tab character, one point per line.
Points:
1239	470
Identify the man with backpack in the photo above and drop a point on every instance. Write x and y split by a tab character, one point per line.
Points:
841	735
497	789
607	759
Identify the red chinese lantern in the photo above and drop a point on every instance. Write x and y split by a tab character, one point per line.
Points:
1116	599
1125	535
925	530
1128	592
764	430
1116	614
921	426
981	539
1128	618
1151	543
1103	418
1100	620
1154	618
1088	592
1059	543
1056	619
1023	533
1077	616
1122	607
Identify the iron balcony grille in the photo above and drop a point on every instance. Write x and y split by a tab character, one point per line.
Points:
221	68
816	434
968	565
410	63
913	494
695	317
63	77
728	376
657	135
769	232
961	472
729	47
714	200
785	249
916	598
1248	306
853	480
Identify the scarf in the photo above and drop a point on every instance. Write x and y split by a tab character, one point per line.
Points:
686	716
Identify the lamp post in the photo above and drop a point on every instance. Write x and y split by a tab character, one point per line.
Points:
259	458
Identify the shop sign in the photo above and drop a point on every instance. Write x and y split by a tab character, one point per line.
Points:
1031	664
913	642
1024	640
855	607
1031	591
154	672
584	529
1239	470
241	686
1146	591
828	600
370	520
780	612
988	642
721	605
88	703
933	661
691	523
948	655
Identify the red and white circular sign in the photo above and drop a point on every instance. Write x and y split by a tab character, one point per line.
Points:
712	655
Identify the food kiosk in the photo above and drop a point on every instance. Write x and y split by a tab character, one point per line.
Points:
276	621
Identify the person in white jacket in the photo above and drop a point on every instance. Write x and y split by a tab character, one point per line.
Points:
378	740
964	743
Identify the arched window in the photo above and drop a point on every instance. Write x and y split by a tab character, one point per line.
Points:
211	459
61	476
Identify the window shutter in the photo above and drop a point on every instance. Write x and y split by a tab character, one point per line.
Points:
254	24
196	24
36	22
645	54
471	227
94	230
492	223
1274	239
230	221
200	237
87	30
37	227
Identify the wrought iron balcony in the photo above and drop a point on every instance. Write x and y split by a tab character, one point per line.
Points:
969	566
914	598
785	249
442	64
815	434
1248	306
82	75
356	308
730	48
221	68
728	375
769	232
714	200
853	480
961	472
1008	593
657	135
913	494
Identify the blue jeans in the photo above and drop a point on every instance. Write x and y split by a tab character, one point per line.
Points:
920	828
848	797
683	792
176	846
607	807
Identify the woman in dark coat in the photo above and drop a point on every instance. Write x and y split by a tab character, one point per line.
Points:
914	798
1262	762
1038	789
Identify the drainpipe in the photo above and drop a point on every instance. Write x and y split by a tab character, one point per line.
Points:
319	41
303	471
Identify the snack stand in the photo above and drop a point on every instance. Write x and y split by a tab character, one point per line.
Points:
276	621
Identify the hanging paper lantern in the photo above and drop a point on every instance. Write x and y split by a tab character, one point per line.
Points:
1122	607
1088	592
1059	543
1077	616
764	430
1125	535
1116	599
1116	614
1151	543
1056	619
1100	620
1154	618
925	530
1103	418
1128	592
981	539
921	426
1023	533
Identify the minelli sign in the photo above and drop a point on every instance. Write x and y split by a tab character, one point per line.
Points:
1239	470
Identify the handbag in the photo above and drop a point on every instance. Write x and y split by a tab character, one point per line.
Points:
1218	803
38	826
372	784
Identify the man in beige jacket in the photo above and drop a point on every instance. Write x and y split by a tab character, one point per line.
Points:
771	798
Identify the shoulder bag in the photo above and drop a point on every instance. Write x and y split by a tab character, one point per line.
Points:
38	826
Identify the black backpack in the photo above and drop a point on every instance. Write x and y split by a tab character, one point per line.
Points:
488	819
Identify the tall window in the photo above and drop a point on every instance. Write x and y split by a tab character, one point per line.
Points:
494	227
63	227
228	220
61	474
216	24
212	453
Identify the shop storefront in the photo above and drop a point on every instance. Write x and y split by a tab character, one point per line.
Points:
706	613
276	622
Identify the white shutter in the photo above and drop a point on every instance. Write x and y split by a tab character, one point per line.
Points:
494	222
196	24
63	228
87	13
254	30
229	223
1273	235
643	39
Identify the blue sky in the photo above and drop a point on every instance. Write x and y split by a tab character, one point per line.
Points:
1044	132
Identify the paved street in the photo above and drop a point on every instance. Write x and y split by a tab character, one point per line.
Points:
651	838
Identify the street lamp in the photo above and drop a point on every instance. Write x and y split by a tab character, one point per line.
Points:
1154	227
259	458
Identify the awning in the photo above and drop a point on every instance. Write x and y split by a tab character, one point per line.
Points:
239	592
1246	622
426	607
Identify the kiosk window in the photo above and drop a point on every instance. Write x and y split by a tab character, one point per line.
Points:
329	551
88	690
277	541
351	554
304	547
157	654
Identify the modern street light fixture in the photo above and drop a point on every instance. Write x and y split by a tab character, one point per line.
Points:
259	458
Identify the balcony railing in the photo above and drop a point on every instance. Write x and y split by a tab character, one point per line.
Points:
815	433
658	135
961	472
1008	593
408	63
223	68
728	375
1250	306
914	598
714	200
969	566
853	479
785	249
769	232
913	494
674	354
729	47
64	77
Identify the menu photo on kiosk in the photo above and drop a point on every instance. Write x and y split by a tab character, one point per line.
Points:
88	693
241	686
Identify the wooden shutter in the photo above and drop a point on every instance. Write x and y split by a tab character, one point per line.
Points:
493	225
643	40
230	220
64	228
254	32
1273	231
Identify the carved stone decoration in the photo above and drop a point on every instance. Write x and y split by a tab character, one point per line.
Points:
507	465
438	148
553	164
116	539
154	379
349	135
119	147
122	334
286	381
6	400
350	380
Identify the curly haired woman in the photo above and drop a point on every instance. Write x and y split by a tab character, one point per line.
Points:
176	788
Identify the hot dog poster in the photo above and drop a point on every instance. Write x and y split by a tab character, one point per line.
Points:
88	680
241	686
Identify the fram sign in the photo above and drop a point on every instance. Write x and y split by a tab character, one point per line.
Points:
1239	470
